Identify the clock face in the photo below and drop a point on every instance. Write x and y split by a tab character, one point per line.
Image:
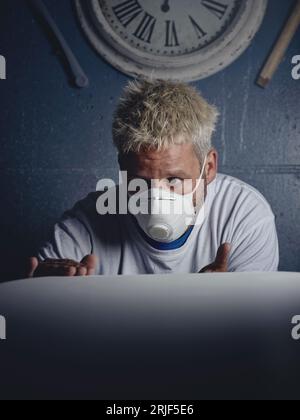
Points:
170	39
170	27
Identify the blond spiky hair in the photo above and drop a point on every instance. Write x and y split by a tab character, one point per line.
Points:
153	114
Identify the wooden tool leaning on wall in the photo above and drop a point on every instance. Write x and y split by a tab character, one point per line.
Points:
281	47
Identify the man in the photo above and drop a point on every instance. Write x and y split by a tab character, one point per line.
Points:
163	133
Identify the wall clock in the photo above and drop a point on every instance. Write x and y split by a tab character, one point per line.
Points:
170	39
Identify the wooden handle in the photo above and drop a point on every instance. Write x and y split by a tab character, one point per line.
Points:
80	78
281	47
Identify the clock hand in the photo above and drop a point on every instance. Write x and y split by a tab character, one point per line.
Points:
165	7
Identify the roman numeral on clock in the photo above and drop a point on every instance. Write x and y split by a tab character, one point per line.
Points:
127	11
145	29
171	34
217	8
199	31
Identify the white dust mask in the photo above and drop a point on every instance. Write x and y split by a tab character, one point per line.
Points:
165	215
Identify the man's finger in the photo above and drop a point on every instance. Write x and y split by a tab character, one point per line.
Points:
55	271
81	272
57	268
207	270
90	262
71	272
223	255
33	265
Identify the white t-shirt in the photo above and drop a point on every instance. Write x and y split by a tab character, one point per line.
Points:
234	212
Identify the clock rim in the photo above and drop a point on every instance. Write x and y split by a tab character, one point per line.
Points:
143	58
190	67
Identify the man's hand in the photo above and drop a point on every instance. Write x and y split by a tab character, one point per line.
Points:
62	268
221	263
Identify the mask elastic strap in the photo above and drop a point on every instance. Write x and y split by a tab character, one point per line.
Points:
201	175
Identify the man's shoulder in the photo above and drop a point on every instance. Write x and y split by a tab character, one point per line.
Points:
237	195
85	210
86	205
98	214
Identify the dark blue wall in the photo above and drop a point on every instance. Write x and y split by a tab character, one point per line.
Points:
56	140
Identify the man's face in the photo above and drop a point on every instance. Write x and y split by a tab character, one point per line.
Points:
176	167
